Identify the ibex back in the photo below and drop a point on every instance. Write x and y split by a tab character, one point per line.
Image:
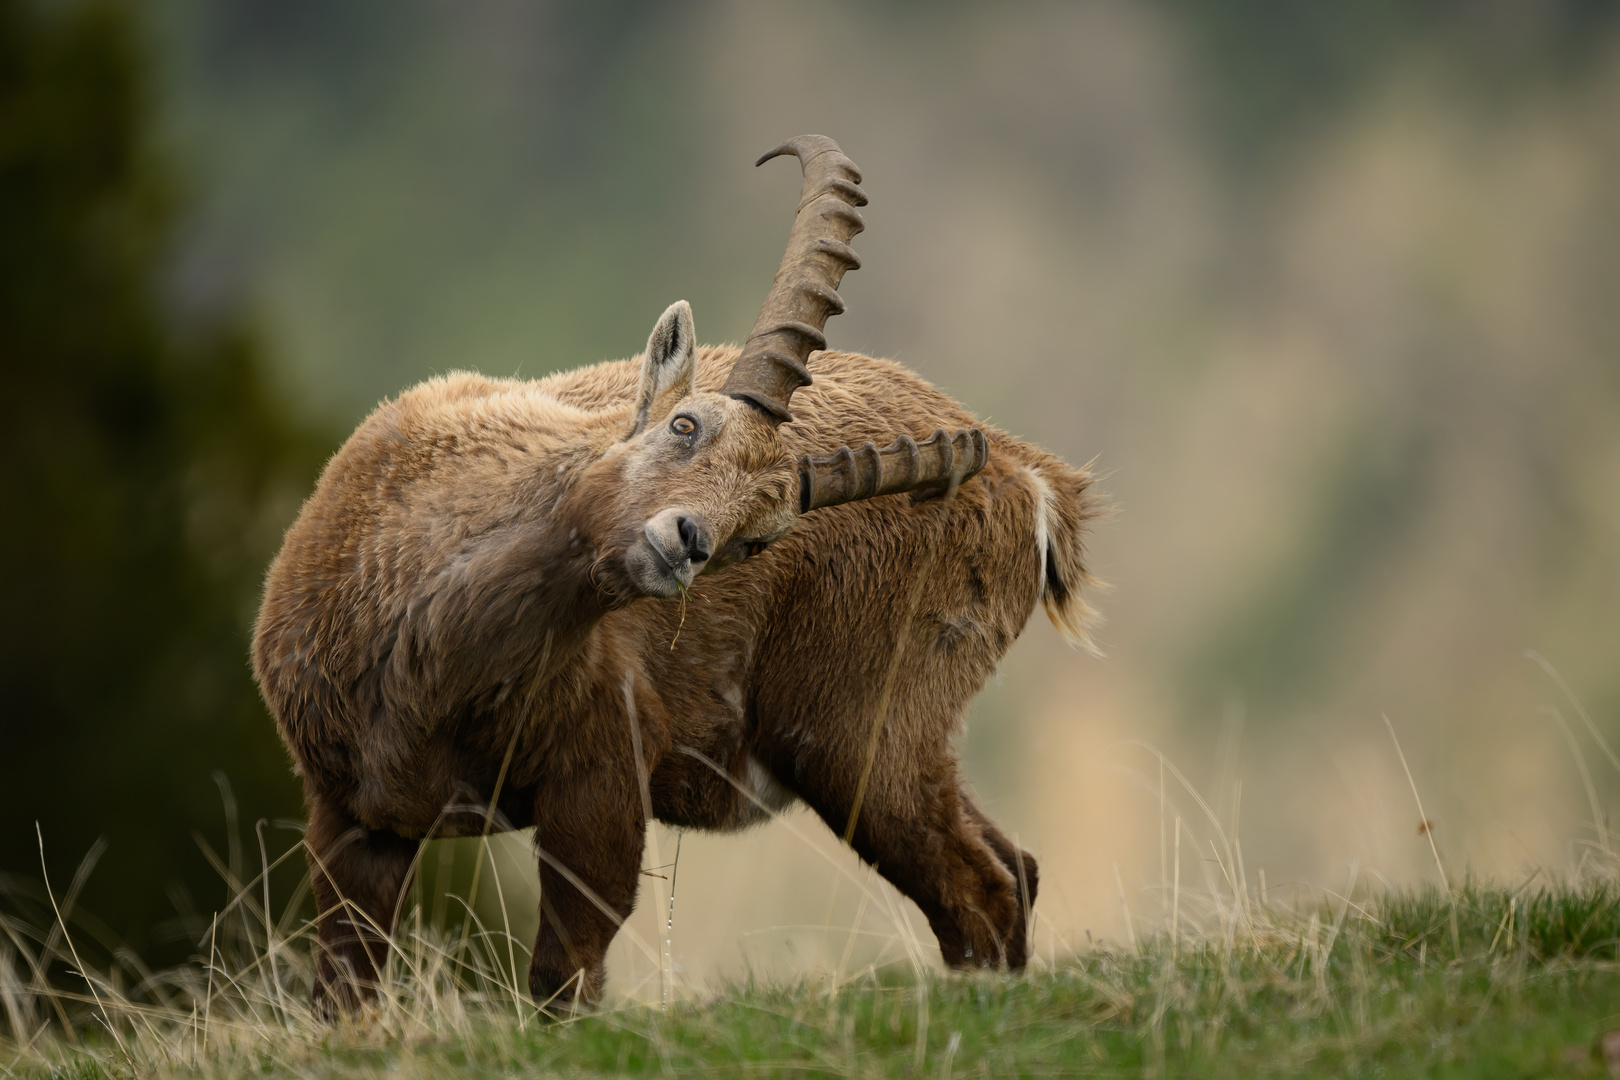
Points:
474	620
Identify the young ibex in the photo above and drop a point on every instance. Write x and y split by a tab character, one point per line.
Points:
460	619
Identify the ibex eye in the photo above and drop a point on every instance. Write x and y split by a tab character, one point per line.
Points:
683	425
755	548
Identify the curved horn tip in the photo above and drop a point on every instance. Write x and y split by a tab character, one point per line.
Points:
796	147
777	151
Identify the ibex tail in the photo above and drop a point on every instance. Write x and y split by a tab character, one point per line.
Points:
1066	503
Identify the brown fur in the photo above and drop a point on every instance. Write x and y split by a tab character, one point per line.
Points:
455	591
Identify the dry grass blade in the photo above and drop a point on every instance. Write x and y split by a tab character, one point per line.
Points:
84	973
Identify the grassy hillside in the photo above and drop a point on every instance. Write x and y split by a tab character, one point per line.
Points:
1483	982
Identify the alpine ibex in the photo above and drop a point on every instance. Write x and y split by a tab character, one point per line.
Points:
475	609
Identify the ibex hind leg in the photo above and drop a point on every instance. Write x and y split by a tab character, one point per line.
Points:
930	846
1025	874
590	832
357	876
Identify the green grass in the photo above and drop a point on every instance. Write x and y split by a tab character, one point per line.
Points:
1489	982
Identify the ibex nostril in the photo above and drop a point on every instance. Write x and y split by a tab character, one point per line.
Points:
695	539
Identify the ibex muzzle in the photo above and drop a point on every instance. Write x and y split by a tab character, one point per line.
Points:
676	550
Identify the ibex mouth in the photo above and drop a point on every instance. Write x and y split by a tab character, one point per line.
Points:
673	548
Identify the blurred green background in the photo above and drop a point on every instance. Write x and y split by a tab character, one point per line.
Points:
1331	292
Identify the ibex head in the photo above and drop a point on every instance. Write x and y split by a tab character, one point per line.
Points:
713	463
706	474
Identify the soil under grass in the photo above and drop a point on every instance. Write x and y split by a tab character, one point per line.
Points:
1489	983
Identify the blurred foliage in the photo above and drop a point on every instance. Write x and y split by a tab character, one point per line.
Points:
1464	375
150	468
1277	70
1281	643
503	154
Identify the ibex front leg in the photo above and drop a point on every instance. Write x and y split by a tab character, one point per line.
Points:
590	832
357	876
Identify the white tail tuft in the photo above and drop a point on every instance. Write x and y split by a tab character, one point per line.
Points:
1063	505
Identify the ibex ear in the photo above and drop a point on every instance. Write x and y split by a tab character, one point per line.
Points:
668	368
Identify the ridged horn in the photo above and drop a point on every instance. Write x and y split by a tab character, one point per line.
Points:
846	475
804	294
